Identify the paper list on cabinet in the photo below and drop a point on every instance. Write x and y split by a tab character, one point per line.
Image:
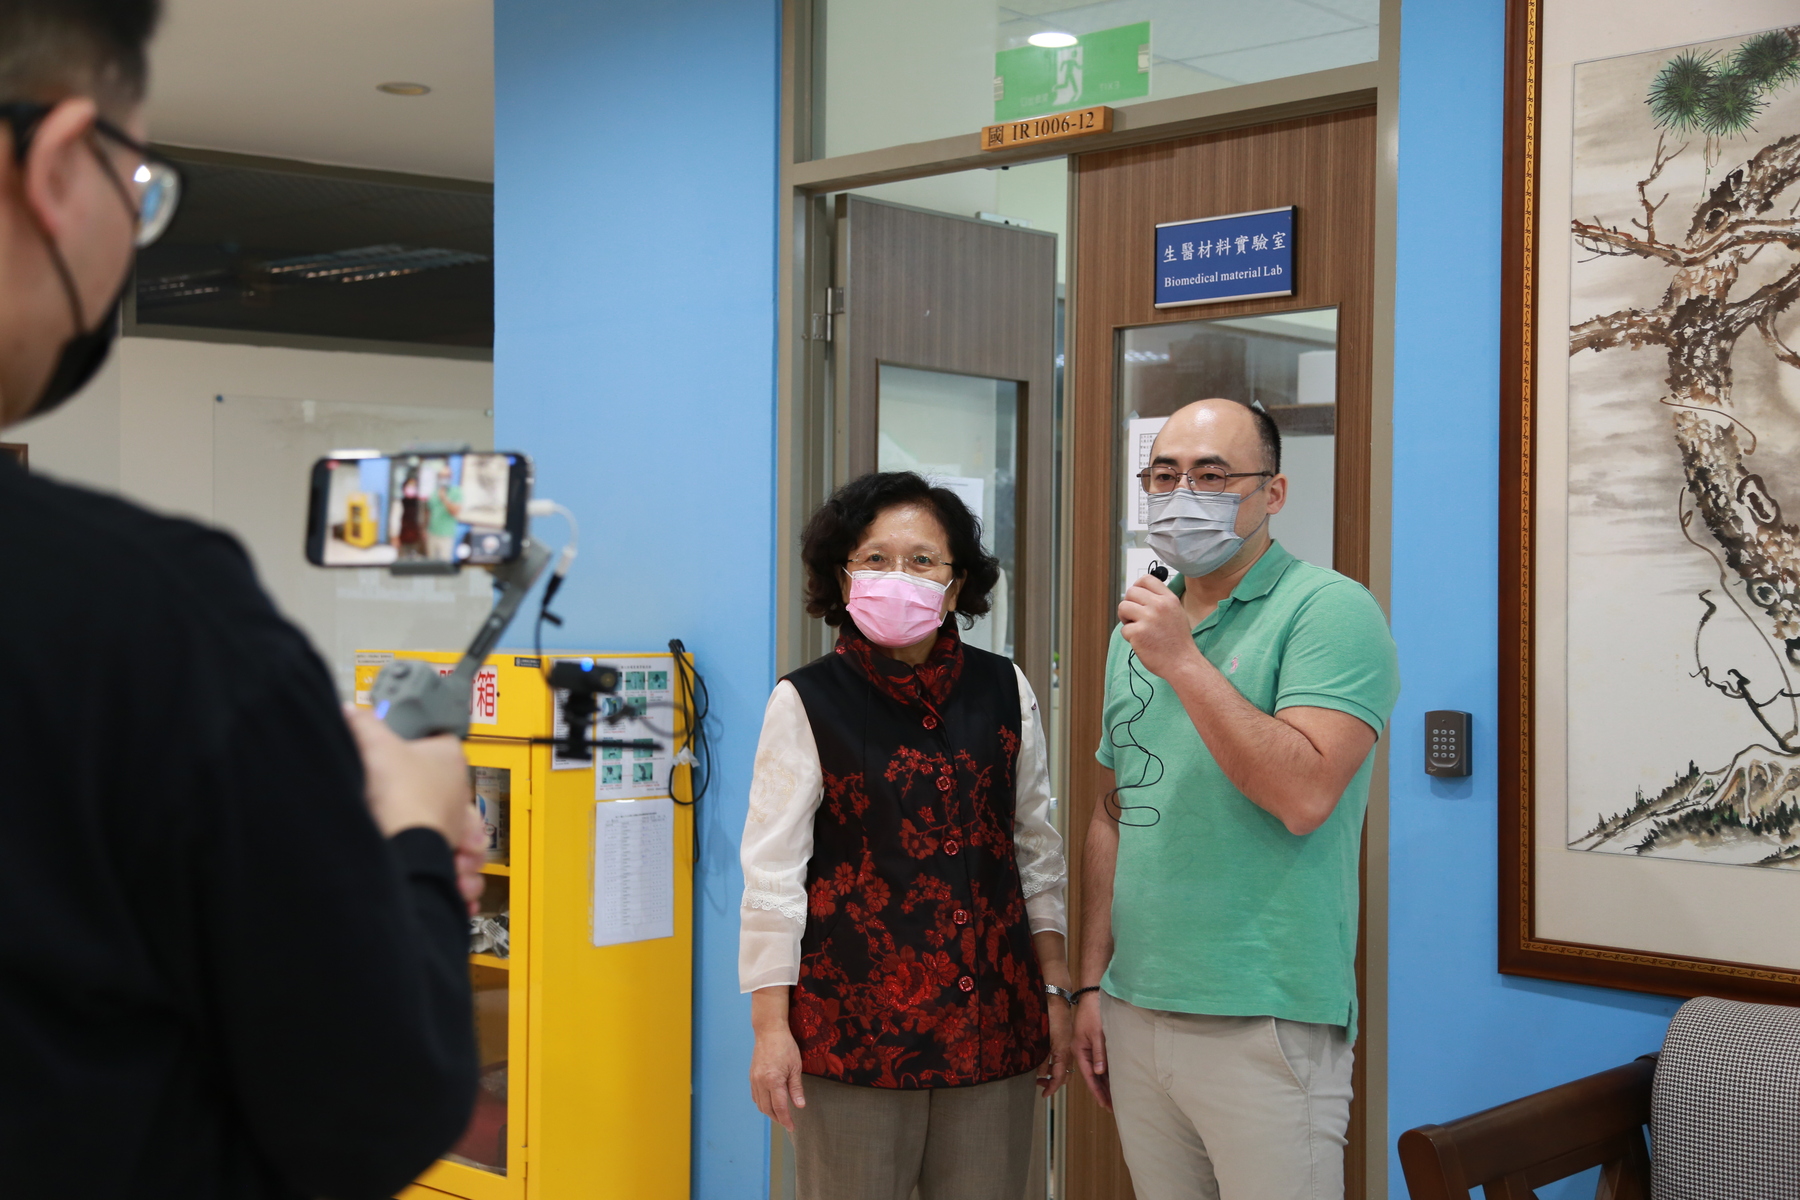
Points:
634	871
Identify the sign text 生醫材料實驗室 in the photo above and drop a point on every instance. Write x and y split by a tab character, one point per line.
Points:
1241	256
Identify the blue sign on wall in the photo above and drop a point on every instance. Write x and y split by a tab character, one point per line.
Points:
1237	257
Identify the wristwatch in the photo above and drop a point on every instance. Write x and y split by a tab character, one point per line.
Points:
1068	997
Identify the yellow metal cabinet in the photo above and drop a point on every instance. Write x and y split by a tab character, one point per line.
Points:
585	1050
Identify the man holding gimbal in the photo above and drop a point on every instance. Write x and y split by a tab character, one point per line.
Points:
232	949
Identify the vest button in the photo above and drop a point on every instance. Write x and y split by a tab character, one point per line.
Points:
960	916
930	722
944	783
966	984
952	847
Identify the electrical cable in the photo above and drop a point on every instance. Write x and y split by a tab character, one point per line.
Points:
545	508
695	752
696	749
587	743
641	712
1112	798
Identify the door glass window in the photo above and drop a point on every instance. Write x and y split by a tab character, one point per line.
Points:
1287	362
888	74
962	433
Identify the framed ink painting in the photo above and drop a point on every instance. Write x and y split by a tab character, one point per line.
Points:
1650	530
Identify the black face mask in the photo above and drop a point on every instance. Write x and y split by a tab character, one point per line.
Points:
86	350
82	355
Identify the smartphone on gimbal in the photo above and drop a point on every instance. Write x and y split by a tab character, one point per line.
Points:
425	509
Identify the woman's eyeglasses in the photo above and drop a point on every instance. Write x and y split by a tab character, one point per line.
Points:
154	188
917	564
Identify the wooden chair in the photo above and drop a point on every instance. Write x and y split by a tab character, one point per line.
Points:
1511	1150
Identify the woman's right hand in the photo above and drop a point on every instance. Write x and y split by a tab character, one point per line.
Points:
775	1076
775	1063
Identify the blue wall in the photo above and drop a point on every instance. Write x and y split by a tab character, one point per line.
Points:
1463	1037
634	222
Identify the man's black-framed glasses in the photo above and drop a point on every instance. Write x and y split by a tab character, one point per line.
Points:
1158	479
154	189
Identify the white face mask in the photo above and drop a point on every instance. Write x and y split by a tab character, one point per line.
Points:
1196	532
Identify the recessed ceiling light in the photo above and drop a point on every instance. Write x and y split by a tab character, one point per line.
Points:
1053	41
402	89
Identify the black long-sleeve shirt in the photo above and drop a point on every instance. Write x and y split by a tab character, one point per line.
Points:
217	979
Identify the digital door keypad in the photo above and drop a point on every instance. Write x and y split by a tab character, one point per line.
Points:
1446	742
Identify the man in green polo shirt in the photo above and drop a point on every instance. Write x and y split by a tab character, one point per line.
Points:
445	514
1243	701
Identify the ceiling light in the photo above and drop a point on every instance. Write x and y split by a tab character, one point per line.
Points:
1053	40
402	89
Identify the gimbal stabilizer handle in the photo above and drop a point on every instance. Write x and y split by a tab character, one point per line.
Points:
415	700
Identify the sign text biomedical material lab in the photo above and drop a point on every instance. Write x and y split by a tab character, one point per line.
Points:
1241	256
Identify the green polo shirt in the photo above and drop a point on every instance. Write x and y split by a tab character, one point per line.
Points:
443	521
1217	908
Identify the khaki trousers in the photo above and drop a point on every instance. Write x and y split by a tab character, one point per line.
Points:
869	1143
1228	1108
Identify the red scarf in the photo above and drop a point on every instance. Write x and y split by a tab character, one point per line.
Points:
927	686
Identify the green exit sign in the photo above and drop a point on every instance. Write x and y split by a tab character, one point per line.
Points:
1100	68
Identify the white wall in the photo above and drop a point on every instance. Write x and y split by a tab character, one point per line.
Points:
79	442
169	388
149	425
144	427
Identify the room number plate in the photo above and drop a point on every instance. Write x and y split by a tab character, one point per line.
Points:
1078	123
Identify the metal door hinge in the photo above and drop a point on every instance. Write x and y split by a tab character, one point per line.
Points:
822	323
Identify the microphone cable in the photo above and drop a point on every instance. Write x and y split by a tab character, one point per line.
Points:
1113	798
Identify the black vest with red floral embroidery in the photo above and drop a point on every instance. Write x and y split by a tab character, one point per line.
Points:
917	968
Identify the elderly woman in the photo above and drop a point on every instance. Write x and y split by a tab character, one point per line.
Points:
902	923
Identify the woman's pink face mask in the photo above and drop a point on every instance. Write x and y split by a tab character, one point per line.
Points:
895	609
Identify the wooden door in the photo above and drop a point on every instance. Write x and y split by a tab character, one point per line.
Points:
926	295
1325	166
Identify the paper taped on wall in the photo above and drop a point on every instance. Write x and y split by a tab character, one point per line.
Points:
634	871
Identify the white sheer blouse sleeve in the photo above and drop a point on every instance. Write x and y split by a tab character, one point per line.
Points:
1039	847
785	789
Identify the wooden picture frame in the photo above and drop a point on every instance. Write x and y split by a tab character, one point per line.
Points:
1541	248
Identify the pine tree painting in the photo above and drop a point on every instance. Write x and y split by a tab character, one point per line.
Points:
1684	447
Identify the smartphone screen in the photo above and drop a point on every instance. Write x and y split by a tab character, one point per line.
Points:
371	510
